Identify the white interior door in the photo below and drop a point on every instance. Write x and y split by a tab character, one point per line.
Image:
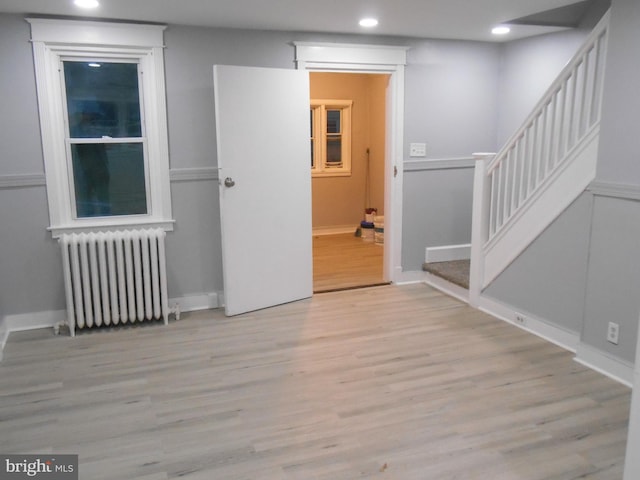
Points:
262	127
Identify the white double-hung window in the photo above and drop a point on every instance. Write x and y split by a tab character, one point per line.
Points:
331	138
101	99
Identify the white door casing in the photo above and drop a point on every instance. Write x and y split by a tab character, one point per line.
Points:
380	59
262	129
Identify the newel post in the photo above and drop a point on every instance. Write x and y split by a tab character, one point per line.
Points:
479	226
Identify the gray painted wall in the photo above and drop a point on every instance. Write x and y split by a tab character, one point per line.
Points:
19	115
194	255
549	278
437	211
452	89
451	97
454	122
613	280
31	278
620	124
528	67
467	98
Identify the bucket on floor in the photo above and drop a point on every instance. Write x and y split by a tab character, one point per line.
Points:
378	229
367	231
369	213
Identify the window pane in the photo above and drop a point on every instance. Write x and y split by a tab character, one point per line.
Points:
102	100
333	121
109	179
334	151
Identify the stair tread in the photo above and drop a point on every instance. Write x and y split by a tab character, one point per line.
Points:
455	271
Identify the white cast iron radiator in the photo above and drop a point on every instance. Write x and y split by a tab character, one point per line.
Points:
114	277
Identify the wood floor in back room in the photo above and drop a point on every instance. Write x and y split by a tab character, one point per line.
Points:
345	261
385	383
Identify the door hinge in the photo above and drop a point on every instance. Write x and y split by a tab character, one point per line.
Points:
395	171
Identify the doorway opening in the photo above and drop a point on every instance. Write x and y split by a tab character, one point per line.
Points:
380	60
348	185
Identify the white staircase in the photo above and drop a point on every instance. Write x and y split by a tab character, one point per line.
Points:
544	167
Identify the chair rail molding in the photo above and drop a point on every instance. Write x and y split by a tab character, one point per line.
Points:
193	174
438	164
22	180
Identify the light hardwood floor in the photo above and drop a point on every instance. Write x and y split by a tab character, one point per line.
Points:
394	382
345	261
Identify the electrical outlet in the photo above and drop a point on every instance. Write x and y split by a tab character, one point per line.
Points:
521	319
613	332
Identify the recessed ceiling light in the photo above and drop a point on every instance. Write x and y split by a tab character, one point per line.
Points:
86	3
368	22
500	30
94	65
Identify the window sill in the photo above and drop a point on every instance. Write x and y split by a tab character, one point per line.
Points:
105	225
330	174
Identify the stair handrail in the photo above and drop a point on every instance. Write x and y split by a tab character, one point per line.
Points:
596	33
524	176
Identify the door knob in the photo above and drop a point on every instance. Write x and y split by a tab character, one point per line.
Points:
229	182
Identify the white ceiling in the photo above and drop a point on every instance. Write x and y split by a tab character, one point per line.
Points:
454	19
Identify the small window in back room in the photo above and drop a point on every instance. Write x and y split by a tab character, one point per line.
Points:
331	137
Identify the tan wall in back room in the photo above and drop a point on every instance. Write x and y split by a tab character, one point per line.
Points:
340	201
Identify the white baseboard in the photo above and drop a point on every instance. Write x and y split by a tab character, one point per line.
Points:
28	321
559	336
335	230
192	303
613	367
401	277
447	287
49	319
4	336
447	253
554	334
34	320
597	360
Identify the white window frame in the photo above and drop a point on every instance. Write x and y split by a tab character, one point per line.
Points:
56	40
319	108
